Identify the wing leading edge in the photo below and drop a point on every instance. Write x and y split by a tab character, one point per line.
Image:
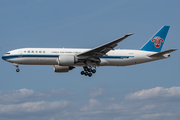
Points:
103	49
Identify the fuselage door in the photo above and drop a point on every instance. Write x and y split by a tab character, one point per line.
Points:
20	54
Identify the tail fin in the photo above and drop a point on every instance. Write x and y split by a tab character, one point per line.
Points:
156	42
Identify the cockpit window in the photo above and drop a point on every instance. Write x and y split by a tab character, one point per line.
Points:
7	53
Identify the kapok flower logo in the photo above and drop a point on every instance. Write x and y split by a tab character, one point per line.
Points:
157	41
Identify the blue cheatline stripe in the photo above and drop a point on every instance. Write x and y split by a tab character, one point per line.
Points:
55	56
28	56
115	57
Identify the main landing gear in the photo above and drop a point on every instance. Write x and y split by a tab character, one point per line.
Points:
17	67
88	71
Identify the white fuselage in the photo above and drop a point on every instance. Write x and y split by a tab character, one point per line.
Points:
49	56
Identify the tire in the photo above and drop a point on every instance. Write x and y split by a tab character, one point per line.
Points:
17	70
82	72
93	71
86	73
90	70
90	74
85	69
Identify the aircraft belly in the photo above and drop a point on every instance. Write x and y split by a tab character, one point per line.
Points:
35	61
128	61
120	62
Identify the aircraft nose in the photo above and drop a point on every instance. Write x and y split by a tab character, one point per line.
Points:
3	57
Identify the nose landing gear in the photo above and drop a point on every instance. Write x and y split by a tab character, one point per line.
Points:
17	67
17	70
88	71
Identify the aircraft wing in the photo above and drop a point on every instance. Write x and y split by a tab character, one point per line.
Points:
162	53
103	49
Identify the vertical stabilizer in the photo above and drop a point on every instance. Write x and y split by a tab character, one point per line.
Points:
156	42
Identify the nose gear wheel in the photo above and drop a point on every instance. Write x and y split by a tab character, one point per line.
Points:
17	67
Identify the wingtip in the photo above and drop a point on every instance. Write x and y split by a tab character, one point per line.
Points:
130	34
127	35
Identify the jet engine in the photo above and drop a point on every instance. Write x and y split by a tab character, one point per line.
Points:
64	60
60	69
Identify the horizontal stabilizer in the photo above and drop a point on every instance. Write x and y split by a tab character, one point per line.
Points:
162	53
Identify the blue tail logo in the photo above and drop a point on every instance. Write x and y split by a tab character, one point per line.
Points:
156	42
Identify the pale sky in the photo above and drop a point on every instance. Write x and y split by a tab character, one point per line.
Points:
140	92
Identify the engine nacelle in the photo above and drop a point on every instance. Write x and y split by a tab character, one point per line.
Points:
60	69
64	60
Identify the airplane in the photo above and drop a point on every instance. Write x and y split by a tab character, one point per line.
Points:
65	59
